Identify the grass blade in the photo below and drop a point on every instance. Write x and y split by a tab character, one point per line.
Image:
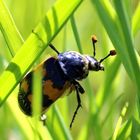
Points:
23	60
135	20
9	30
47	29
107	15
76	35
128	41
123	112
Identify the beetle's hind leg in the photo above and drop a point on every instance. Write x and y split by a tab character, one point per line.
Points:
79	89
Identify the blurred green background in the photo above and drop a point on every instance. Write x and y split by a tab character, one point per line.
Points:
110	105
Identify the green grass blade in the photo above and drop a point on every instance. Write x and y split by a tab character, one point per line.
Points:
11	35
135	134
18	67
125	26
135	20
119	122
9	30
87	86
36	101
119	30
105	92
33	47
76	35
65	131
108	17
111	110
25	123
56	125
125	130
102	96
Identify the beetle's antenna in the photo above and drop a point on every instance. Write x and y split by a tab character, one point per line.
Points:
111	53
94	40
52	47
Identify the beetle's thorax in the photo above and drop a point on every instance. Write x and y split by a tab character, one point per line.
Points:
76	66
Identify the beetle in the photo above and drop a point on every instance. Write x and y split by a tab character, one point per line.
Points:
59	74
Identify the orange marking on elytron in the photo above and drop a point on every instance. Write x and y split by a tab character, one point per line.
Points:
52	92
30	97
25	85
42	69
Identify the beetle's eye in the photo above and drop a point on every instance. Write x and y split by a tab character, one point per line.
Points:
97	65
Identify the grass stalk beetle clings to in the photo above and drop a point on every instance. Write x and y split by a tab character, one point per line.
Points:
59	74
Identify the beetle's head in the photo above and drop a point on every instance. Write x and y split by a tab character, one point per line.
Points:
93	63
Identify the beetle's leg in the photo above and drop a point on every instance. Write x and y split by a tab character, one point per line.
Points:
43	119
78	100
78	86
52	47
